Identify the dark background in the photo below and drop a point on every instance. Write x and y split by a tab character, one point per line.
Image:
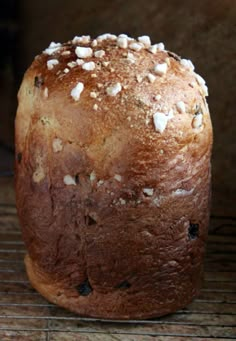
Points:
203	30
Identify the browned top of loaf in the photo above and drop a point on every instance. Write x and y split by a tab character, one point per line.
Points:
136	97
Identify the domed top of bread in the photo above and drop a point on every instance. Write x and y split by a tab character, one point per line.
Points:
115	94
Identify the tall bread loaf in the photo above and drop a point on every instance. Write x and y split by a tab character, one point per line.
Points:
113	145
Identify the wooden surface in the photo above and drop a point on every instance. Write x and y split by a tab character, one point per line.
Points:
26	315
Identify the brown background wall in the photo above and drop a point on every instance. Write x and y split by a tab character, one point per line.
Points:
202	30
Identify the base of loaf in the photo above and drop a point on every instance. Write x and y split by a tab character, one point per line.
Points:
109	306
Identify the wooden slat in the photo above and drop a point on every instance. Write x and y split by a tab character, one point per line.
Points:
8	223
203	319
27	312
10	247
58	315
22	324
220	276
220	266
7	209
222	239
30	298
12	266
21	287
220	247
223	286
12	256
10	237
226	230
155	329
147	329
9	335
216	308
220	257
226	297
13	276
65	336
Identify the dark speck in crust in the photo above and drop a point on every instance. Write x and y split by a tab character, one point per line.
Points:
77	179
89	220
124	285
84	288
193	231
38	81
19	157
173	55
197	110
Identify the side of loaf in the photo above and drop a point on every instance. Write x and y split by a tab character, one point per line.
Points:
113	146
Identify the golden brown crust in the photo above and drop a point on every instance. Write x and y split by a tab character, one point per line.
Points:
121	304
105	194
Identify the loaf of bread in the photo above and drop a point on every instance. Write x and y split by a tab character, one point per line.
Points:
113	145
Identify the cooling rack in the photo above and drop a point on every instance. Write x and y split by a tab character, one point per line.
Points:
26	315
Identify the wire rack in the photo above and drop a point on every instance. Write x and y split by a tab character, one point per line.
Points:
26	315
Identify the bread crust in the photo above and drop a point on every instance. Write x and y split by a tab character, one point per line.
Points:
114	213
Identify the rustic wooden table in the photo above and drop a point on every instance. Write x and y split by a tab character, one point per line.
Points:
26	315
